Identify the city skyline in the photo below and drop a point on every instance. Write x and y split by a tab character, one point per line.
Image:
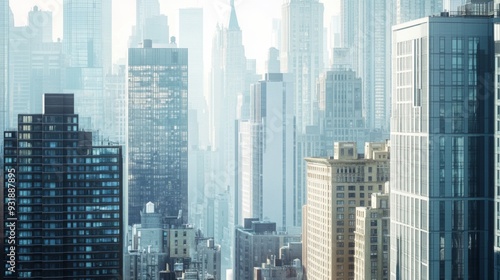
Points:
323	139
215	12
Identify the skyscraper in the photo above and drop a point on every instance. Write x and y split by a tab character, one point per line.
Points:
63	198
302	54
87	47
36	65
366	32
228	82
144	10
158	130
442	137
341	108
268	152
191	37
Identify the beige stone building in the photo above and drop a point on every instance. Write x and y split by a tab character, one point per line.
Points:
335	187
371	248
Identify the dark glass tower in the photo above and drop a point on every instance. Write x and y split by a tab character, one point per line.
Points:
62	198
158	128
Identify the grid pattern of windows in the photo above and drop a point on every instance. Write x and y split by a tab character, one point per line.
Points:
158	127
442	148
68	196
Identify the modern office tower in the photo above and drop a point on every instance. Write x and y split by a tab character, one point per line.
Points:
407	10
157	129
148	253
66	220
256	241
87	50
267	152
366	31
335	187
442	133
191	37
302	54
341	108
145	9
371	241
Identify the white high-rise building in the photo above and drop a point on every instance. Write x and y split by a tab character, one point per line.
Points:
268	151
442	142
191	37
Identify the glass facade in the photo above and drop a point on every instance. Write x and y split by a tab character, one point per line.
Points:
65	216
442	149
158	131
87	49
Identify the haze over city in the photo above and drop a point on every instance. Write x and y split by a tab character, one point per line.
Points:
250	139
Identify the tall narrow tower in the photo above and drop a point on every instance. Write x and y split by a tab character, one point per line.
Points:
442	129
302	54
87	47
158	130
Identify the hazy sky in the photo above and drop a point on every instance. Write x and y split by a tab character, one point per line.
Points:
254	16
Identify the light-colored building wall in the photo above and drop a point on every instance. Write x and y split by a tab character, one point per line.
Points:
335	187
371	253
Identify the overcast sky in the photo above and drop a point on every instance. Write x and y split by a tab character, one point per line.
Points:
255	18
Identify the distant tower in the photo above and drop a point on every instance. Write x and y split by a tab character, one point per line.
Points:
157	127
409	9
191	37
302	54
87	47
267	152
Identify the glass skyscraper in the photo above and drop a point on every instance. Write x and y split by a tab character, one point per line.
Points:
158	130
442	149
62	199
87	47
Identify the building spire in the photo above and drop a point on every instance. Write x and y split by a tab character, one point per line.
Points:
233	20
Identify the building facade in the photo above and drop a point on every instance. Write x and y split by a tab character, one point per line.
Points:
335	187
257	241
63	198
87	50
341	108
302	54
442	137
371	241
267	150
158	130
